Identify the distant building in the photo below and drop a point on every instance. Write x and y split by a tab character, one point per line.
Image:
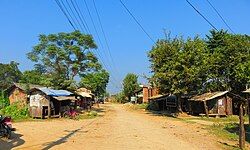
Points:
145	93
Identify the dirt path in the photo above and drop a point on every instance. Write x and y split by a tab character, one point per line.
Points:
117	129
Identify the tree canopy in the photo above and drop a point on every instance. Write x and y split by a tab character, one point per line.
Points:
130	84
219	62
96	82
64	56
9	73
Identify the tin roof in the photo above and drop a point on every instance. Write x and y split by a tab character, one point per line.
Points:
52	92
208	96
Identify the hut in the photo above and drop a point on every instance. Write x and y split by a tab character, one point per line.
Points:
85	99
46	102
18	92
211	104
165	102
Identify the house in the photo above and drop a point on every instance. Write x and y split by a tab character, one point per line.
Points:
165	103
46	102
212	104
144	93
18	92
85	98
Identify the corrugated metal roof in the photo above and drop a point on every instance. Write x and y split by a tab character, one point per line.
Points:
208	96
52	92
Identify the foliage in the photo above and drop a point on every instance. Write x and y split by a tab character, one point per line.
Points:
220	62
9	73
130	84
229	59
96	82
16	111
3	100
120	98
64	56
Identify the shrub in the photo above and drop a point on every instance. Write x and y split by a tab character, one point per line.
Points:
3	100
16	111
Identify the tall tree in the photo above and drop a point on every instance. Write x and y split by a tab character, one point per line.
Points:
130	84
9	73
64	56
178	65
229	59
96	82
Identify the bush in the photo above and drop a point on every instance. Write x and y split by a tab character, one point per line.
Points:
16	111
3	100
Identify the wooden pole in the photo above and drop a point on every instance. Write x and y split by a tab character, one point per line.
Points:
242	128
206	109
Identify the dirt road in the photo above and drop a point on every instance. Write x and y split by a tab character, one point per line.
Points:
117	129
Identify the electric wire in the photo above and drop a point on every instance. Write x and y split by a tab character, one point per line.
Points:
80	15
220	16
69	17
78	22
202	15
65	14
104	35
138	23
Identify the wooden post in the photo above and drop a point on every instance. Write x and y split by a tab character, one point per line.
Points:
242	128
206	109
248	105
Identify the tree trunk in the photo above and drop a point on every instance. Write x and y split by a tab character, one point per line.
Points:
206	109
242	128
179	103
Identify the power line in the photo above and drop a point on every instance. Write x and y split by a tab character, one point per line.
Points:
68	16
202	15
81	16
92	21
220	16
104	35
130	13
98	37
65	14
70	8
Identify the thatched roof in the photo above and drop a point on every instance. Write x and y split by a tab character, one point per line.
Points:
208	96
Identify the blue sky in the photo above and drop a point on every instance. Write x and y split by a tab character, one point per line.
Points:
22	21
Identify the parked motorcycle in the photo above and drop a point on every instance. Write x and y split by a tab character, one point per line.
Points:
6	126
70	113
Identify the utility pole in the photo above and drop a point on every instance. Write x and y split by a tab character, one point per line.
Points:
242	135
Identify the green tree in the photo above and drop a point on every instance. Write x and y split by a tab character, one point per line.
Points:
9	73
229	59
64	56
96	82
178	66
130	84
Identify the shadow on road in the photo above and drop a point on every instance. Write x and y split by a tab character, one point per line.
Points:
61	140
15	141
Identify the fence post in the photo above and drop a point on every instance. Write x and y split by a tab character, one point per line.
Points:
242	128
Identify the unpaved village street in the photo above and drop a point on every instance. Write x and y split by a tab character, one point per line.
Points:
118	128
